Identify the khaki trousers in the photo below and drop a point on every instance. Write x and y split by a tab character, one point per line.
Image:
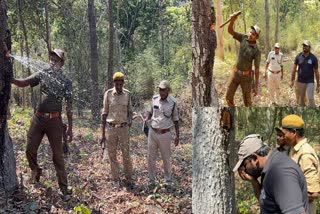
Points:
303	89
245	82
53	128
163	143
274	86
119	136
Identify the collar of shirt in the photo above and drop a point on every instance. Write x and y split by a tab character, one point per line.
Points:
114	91
299	145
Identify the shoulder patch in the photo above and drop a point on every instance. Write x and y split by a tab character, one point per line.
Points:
172	99
126	90
155	96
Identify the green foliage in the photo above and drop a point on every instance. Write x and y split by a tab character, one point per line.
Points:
82	209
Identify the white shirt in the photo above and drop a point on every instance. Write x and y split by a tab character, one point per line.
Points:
275	61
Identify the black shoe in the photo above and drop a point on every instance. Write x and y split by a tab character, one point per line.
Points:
35	175
130	184
66	194
151	185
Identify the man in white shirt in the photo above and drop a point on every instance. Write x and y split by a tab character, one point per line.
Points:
274	73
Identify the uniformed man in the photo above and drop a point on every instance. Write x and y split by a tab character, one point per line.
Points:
163	115
117	116
243	74
274	73
54	86
304	155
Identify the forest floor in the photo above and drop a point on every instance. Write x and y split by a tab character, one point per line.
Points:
89	176
221	73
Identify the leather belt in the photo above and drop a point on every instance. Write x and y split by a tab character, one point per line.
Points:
160	131
118	125
48	115
245	73
274	72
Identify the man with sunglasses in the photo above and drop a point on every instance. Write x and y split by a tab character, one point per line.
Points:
163	115
54	87
117	117
243	74
283	188
274	73
307	64
304	155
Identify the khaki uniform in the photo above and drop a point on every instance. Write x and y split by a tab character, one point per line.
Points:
307	159
242	74
54	86
274	76
164	113
118	109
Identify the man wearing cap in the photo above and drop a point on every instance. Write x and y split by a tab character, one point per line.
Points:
117	116
242	74
304	155
274	73
307	64
54	87
163	115
283	188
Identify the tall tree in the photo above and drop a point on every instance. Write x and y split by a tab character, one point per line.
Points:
93	60
211	176
109	82
8	176
160	5
219	30
276	33
48	39
267	17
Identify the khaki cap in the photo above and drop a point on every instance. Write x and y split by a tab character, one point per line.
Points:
256	28
277	45
292	121
164	84
307	43
118	76
59	53
249	145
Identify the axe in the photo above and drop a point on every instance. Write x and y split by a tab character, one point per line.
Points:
226	22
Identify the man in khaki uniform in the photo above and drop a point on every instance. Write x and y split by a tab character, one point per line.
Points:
163	115
304	155
242	74
117	116
274	73
54	86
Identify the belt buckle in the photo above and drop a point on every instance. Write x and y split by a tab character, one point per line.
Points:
245	72
47	115
117	125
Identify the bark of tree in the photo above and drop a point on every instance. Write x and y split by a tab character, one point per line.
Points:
220	30
203	49
93	60
211	177
8	176
25	35
267	42
276	33
109	82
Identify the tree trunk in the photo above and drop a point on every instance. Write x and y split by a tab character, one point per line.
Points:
109	82
203	49
212	186
276	33
267	42
212	180
48	39
94	60
8	176
160	4
25	35
220	30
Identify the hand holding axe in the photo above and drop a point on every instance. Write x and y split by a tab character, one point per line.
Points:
234	14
